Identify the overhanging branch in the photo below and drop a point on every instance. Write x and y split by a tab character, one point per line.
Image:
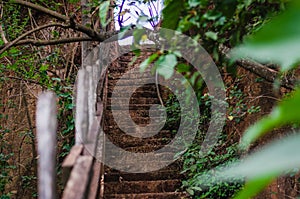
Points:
41	9
70	21
10	44
67	22
265	72
52	42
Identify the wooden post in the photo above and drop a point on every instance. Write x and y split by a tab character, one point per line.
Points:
81	117
85	19
92	84
46	123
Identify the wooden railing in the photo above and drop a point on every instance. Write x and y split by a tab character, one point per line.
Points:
82	172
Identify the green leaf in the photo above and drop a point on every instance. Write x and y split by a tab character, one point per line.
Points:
211	35
14	51
137	36
56	79
277	41
147	61
253	187
73	1
190	191
194	3
183	68
103	10
277	158
165	65
44	67
171	14
177	53
288	111
185	24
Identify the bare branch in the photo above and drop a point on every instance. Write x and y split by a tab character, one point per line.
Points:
9	45
70	21
42	9
19	41
23	80
52	42
2	33
263	71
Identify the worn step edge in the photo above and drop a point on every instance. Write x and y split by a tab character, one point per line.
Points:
165	195
175	166
129	187
151	176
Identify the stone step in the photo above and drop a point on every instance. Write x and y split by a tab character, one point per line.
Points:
129	75
157	175
161	184
174	166
165	195
140	136
132	81
123	68
120	101
142	121
147	148
150	148
119	136
138	162
130	107
160	138
140	113
132	187
139	93
150	127
126	89
117	74
130	143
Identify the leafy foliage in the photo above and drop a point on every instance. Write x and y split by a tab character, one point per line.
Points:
33	66
281	33
279	157
172	13
197	165
228	22
219	22
103	11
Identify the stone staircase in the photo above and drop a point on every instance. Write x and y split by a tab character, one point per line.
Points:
155	184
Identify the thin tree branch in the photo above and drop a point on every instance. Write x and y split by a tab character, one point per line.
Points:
21	79
52	42
68	20
2	33
69	23
9	45
19	41
265	72
41	9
